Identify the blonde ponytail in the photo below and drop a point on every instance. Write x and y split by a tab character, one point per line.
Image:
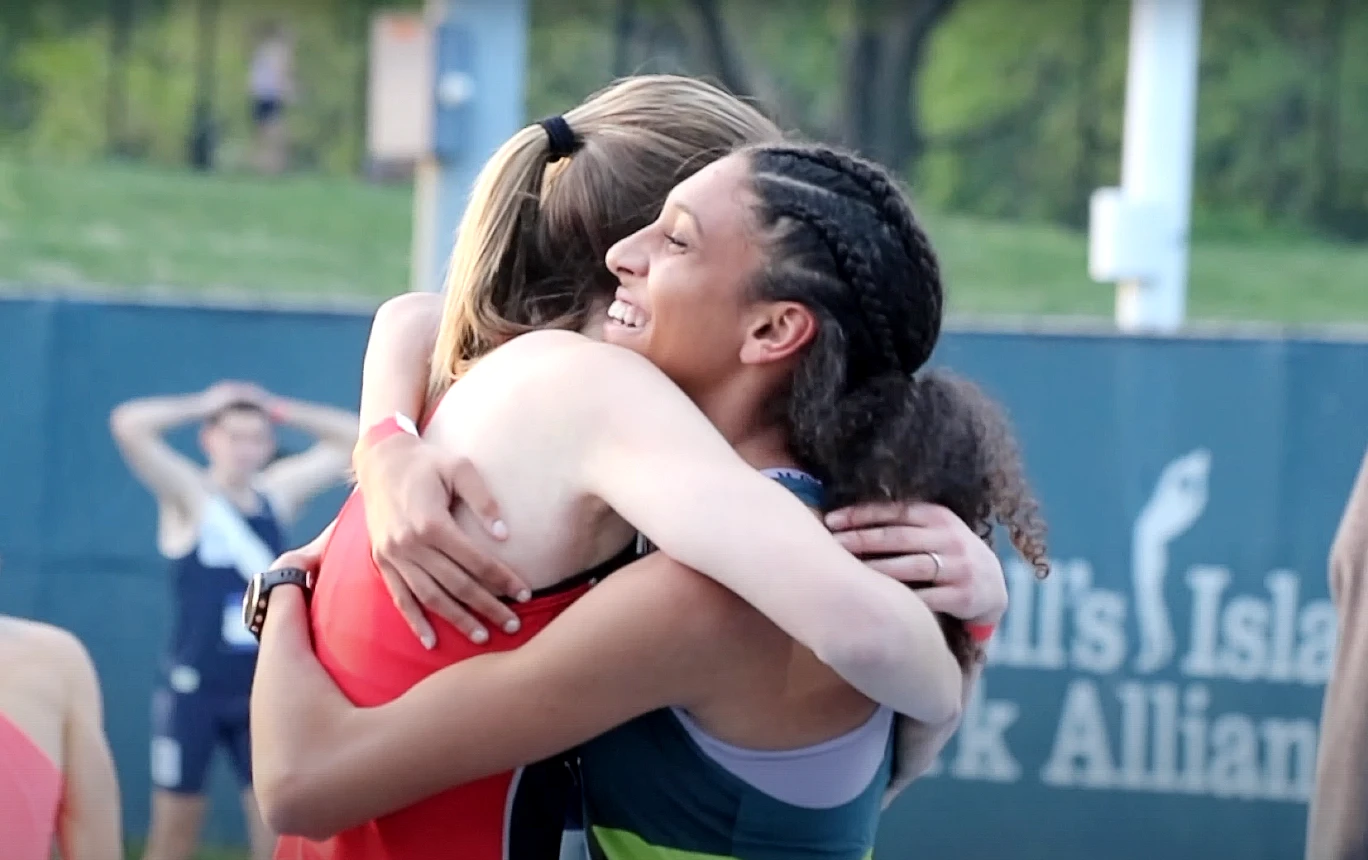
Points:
489	257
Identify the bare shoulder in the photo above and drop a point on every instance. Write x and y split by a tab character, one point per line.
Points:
568	354
46	644
409	312
552	368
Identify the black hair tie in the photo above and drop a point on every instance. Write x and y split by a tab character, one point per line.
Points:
561	137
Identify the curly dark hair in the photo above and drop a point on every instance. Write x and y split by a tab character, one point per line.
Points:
862	413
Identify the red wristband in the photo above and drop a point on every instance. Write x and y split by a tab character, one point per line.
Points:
981	633
381	430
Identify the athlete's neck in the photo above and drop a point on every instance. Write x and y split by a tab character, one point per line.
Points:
738	412
740	406
234	488
766	449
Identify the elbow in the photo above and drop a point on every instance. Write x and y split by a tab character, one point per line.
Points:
890	661
409	313
292	804
951	709
121	422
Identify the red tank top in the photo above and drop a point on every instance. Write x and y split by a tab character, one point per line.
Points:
364	643
31	786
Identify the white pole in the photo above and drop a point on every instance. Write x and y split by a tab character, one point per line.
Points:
491	96
1150	216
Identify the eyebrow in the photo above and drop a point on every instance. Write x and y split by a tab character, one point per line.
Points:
698	225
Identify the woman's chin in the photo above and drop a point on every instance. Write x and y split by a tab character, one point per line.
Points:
626	336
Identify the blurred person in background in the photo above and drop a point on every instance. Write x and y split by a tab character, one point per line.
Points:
271	86
57	781
217	525
1338	826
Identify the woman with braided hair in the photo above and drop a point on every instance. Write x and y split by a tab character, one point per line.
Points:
737	734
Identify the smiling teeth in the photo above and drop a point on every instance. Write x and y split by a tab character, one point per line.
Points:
621	312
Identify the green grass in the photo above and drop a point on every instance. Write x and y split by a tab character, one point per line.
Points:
127	227
124	228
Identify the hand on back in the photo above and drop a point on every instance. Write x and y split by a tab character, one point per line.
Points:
410	488
958	572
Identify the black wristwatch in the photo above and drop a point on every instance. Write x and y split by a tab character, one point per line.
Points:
259	594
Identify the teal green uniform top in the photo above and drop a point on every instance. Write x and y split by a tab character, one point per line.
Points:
660	788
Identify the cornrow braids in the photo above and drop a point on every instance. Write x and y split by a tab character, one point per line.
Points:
862	412
854	255
879	190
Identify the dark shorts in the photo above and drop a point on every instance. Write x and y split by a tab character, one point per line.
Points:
265	110
185	729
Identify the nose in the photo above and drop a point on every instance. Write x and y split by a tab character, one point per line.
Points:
627	257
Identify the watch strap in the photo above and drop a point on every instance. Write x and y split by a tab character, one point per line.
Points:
254	615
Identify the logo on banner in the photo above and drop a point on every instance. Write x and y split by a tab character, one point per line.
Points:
1233	723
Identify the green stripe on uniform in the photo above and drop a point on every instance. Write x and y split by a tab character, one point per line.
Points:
622	845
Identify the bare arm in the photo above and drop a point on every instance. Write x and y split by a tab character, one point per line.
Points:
1338	829
410	487
622	650
89	825
394	375
919	743
137	427
898	540
705	507
293	481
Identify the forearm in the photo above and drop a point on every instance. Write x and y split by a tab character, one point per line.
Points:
327	424
918	743
321	764
394	376
90	826
1337	829
98	840
297	714
153	416
872	630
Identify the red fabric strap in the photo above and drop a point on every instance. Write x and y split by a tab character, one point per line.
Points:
981	633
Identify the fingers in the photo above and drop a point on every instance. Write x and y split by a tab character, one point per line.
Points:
430	581
408	607
918	567
475	597
943	598
889	540
439	548
489	575
471	489
888	513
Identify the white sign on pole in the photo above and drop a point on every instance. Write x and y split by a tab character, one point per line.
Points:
399	99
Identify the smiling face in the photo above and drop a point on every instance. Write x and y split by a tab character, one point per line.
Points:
686	300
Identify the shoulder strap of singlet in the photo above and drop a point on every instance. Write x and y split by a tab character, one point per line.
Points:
800	483
624	557
249	552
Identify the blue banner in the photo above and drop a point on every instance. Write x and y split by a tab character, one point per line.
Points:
1157	696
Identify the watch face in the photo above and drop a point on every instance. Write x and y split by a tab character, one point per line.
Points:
249	600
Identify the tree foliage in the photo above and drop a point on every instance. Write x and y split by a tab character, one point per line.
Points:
994	107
